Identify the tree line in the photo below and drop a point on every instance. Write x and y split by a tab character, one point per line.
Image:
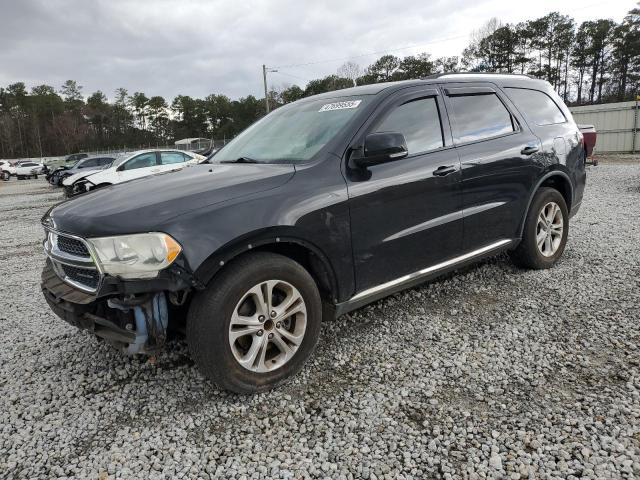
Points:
596	61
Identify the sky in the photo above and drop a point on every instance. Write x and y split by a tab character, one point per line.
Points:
199	47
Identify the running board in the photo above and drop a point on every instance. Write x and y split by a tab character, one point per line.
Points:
406	281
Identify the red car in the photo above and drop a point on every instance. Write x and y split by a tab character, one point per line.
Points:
589	134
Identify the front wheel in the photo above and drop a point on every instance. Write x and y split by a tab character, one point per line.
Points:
545	232
255	324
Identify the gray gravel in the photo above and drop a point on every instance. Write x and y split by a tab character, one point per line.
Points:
493	373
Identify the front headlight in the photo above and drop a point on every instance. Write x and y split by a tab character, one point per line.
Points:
136	256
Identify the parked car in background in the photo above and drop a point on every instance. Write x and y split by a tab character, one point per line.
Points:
4	169
129	167
10	168
322	206
589	133
82	166
68	160
29	170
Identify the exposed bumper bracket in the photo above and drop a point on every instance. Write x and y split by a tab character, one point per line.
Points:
151	318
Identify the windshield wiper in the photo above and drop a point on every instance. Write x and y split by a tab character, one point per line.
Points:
241	160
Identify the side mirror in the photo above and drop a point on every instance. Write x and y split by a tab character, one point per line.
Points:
382	147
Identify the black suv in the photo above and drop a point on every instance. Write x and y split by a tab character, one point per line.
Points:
321	207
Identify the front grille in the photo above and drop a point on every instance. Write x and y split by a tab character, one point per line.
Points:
72	261
72	246
83	276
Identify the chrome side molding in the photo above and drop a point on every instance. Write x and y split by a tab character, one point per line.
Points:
405	279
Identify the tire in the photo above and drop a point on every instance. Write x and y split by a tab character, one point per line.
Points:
212	311
528	253
5	176
20	177
35	177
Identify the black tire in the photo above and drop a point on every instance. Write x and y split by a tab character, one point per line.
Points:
527	254
35	177
5	176
20	177
208	335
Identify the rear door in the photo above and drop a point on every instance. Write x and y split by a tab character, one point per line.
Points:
172	161
406	214
496	151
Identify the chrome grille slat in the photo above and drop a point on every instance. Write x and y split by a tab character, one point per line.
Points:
73	260
73	246
82	276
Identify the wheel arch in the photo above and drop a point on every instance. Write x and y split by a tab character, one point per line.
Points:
556	179
284	243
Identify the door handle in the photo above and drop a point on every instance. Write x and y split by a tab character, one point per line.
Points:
529	150
445	170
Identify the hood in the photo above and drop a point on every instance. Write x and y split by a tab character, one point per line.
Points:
71	179
144	205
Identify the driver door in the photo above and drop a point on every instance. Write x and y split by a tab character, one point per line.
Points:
406	214
139	166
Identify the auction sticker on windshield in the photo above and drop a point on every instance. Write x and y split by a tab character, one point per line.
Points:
340	105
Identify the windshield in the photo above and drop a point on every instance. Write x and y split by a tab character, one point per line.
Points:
292	133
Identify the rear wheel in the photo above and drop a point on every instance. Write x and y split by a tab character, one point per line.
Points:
545	232
255	324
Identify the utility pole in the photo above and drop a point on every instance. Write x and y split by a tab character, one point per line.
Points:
264	78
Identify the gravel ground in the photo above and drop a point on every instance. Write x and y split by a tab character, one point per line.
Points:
492	373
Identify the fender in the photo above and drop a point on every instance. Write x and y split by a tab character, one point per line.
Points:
278	238
545	177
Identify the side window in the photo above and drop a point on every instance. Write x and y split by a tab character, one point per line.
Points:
479	116
536	106
169	158
419	122
141	161
104	161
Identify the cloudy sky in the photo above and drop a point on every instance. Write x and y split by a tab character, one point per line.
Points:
197	47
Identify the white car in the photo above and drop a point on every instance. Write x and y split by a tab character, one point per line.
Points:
129	167
5	169
28	170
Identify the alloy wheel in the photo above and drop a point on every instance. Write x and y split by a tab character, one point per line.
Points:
549	229
267	326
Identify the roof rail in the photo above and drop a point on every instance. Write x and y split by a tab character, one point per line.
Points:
446	74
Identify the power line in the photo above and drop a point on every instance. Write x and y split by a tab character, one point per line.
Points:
373	53
439	40
292	75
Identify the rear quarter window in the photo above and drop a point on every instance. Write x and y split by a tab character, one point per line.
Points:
536	106
479	117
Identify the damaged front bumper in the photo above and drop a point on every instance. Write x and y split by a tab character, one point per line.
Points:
131	315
